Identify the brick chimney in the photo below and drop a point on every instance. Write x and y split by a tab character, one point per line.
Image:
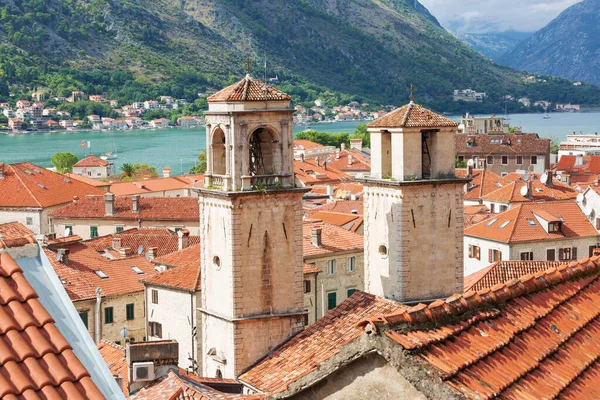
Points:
64	255
109	204
166	172
356	144
135	203
116	243
315	237
349	159
124	252
152	252
184	238
550	177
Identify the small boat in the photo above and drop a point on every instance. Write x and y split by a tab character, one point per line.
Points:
109	156
547	116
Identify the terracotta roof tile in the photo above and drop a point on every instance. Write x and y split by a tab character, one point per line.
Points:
310	269
92	161
359	161
523	226
504	271
511	193
343	207
346	189
590	165
89	181
303	144
350	222
309	173
322	340
412	116
27	185
149	186
484	144
185	271
36	361
249	89
114	357
334	239
484	181
15	234
153	208
534	337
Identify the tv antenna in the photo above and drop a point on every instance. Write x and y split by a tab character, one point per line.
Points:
412	91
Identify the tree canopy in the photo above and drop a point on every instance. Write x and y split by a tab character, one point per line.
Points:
63	162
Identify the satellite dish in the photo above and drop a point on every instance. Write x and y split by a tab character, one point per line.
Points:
67	232
140	249
524	191
59	256
588	211
470	163
580	198
544	178
526	176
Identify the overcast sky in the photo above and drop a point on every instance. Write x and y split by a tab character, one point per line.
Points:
496	15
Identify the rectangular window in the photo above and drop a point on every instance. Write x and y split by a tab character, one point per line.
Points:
108	315
84	317
574	253
306	318
29	221
155	329
494	255
533	160
351	292
130	311
592	250
519	160
504	160
553	227
490	160
119	229
93	232
351	264
492	208
564	254
331	300
527	256
306	286
503	208
154	296
474	252
331	267
551	255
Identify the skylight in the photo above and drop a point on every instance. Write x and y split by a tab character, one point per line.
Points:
531	221
67	180
498	184
137	270
101	274
504	224
491	222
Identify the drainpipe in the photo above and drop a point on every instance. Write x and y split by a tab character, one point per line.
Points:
316	296
97	316
322	299
193	360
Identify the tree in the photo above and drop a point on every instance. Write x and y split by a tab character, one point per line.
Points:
554	147
361	133
127	170
460	164
63	162
142	171
324	138
200	167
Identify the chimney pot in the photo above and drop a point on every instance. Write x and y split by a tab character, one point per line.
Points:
550	178
152	252
343	146
337	154
135	203
109	204
349	159
315	236
124	252
184	238
166	172
116	243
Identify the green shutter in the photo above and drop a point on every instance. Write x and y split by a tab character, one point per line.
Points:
119	229
331	300
351	291
84	318
93	232
129	309
108	315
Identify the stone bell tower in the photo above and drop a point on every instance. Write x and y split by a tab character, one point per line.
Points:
251	228
413	206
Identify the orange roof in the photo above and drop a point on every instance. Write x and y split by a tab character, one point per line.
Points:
249	89
149	186
484	181
114	357
350	222
310	269
92	161
511	193
348	188
412	116
322	340
359	161
475	214
27	185
15	234
36	361
519	224
80	280
504	271
534	337
470	210
342	206
89	181
153	208
591	165
184	275
333	238
303	144
507	144
309	173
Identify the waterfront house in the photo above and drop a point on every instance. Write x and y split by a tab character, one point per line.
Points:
14	124
66	123
93	167
187	122
23	104
159	123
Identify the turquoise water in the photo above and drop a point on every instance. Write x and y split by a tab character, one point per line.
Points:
179	148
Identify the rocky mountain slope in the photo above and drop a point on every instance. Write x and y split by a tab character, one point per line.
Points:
493	44
569	46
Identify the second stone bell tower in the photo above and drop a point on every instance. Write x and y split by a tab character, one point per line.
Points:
251	225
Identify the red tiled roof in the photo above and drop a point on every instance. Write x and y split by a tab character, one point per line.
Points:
344	207
475	214
80	280
114	357
153	208
92	161
15	234
310	269
591	165
334	239
520	229
511	193
359	161
534	337
484	144
322	340
303	144
504	271
186	272
483	181
27	185
36	361
309	173
348	188
412	116
350	222
89	181
249	89
149	186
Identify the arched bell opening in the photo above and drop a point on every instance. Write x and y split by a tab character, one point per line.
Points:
264	153
219	157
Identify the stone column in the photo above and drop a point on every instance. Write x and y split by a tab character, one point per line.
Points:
285	154
227	178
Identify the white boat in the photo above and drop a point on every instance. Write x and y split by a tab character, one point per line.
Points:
109	156
547	116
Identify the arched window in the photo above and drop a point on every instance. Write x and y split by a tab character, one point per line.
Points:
264	153
219	374
218	153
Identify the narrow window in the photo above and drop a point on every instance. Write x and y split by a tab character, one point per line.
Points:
533	160
351	264
490	160
108	315
351	292
331	267
129	308
504	160
519	160
154	296
551	255
306	286
119	229
93	232
331	300
84	317
68	230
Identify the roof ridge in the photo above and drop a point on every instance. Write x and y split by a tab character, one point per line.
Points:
25	185
500	293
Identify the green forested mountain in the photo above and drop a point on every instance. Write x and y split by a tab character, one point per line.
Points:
366	50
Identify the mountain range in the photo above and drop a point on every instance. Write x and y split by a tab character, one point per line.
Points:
368	50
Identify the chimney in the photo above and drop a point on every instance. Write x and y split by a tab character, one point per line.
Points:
135	203
124	252
529	189
349	159
469	171
64	256
75	198
356	144
302	157
1	170
184	238
550	178
116	243
329	190
166	172
337	154
317	161
109	204
151	254
315	237
343	146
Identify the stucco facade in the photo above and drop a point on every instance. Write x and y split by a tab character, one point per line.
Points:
95	172
84	227
35	219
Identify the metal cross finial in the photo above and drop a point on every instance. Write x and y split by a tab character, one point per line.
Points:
248	65
412	91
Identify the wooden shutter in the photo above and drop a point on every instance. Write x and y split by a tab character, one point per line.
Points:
491	255
598	223
477	253
574	253
159	330
561	254
592	247
550	255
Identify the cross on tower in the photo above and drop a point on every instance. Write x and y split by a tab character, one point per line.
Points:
249	65
412	91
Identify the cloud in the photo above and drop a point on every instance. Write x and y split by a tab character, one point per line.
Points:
496	15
